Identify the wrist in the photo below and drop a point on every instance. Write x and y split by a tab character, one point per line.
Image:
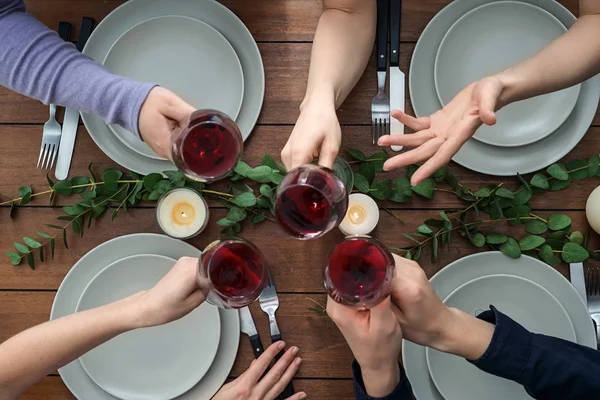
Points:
380	381
464	335
132	312
320	99
511	87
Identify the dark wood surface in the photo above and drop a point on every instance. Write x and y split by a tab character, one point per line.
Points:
284	30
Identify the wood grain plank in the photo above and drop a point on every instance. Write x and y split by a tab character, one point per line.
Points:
296	265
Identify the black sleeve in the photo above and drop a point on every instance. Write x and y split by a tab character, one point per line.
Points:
402	392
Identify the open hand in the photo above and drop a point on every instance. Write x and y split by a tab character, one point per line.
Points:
163	117
250	386
438	138
317	134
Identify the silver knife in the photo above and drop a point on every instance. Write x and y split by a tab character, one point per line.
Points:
71	120
397	80
249	328
578	280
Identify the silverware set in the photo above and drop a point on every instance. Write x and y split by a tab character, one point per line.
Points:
587	286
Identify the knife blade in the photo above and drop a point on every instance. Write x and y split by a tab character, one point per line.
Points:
397	79
71	120
249	328
578	280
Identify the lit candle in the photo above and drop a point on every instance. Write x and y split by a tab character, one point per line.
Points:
592	209
362	215
182	213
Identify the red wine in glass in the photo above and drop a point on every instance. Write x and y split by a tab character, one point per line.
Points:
234	270
209	148
359	272
311	200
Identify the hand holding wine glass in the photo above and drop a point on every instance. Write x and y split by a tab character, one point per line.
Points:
249	385
438	138
375	338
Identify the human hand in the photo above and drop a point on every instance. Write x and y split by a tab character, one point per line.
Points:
163	116
438	138
249	386
375	338
317	134
427	321
174	296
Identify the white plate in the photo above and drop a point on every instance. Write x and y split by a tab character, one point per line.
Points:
184	55
524	301
479	156
156	363
490	39
70	290
483	264
216	15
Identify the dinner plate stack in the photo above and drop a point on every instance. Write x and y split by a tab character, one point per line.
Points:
186	359
527	290
472	39
198	49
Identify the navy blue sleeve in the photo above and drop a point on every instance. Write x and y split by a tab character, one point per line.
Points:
402	392
549	368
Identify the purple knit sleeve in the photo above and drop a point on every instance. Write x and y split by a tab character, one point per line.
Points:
34	61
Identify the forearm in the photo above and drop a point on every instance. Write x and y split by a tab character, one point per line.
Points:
569	60
38	64
389	383
32	354
341	49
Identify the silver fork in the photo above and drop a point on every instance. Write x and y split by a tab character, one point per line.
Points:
380	110
593	297
50	141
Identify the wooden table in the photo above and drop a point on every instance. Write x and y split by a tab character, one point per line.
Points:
284	31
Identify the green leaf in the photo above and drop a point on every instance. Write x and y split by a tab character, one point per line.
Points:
576	237
52	243
242	168
44	235
55	226
268	161
226	222
522	196
133	198
425	188
574	253
154	195
496	238
523	181
31	261
361	183
263	203
34	244
382	190
245	200
514	213
540	181
378	159
114	215
412	168
74	210
236	214
80	181
406	235
436	223
547	255
90	195
511	248
25	194
408	255
593	165
162	187
275	177
577	169
260	174
536	227
151	180
15	259
558	171
41	254
257	219
424	229
434	248
174	176
478	239
50	181
557	222
504	193
560	185
282	169
531	242
398	197
21	248
65	238
63	187
267	191
483	192
98	211
403	186
356	154
111	176
237	228
367	170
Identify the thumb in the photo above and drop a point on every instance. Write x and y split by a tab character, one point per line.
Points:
487	96
328	153
175	108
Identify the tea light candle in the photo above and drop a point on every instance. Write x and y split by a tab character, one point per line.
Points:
592	209
362	215
182	213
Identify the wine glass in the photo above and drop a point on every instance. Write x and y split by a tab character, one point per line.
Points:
234	271
359	272
312	200
209	147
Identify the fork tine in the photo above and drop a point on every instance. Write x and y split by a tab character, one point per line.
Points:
46	152
373	129
41	154
54	154
596	282
48	156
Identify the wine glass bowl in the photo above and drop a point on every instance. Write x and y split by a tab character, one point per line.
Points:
359	272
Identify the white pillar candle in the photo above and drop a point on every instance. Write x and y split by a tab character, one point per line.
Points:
592	209
182	213
362	216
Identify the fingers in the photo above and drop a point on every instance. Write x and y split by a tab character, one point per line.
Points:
408	139
289	373
340	314
329	152
413	156
262	363
280	375
379	314
416	124
173	107
297	396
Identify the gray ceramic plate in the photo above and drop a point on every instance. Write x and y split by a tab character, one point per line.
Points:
490	39
478	156
156	363
482	264
70	290
184	55
524	301
211	12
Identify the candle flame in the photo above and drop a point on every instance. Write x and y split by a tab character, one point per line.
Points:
357	215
